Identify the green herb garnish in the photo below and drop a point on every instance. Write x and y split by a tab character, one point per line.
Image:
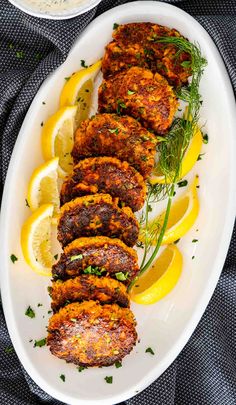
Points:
56	256
40	343
63	377
130	92
194	240
109	379
81	368
114	131
118	364
75	257
121	276
149	350
115	26
205	138
182	183
13	258
83	64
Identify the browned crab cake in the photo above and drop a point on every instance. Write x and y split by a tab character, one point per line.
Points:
137	44
121	137
88	287
90	334
105	175
143	95
94	215
101	252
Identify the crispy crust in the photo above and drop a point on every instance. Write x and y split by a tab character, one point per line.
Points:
97	215
99	251
105	175
135	45
89	334
88	287
130	142
141	94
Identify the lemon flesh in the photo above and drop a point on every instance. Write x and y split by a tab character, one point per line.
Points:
160	279
183	214
36	240
189	160
43	187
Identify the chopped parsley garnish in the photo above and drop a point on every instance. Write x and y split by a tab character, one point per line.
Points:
115	26
9	350
63	377
144	158
83	64
130	92
56	256
49	312
40	305
118	364
186	63
120	104
140	244
26	202
193	257
194	240
13	258
75	257
67	78
149	350
114	131
94	270
43	103
200	156
205	138
109	379
122	276
182	183
40	343
81	368
149	208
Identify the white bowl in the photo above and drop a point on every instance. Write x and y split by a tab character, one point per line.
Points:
167	325
85	6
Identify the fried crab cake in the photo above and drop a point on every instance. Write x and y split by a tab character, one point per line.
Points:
88	287
143	95
137	44
105	175
100	252
90	334
94	215
121	137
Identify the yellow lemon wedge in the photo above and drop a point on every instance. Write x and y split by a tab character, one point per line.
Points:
36	240
43	186
58	138
189	160
78	91
183	214
160	279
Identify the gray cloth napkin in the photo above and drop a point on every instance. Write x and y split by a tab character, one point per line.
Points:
205	371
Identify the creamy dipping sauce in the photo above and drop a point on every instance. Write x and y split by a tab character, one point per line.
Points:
51	6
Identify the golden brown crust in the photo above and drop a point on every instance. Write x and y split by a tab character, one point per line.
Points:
97	215
105	175
141	94
101	252
89	334
88	287
113	135
136	44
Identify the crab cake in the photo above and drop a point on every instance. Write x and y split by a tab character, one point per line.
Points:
136	44
105	175
90	334
113	135
98	252
88	287
96	215
143	95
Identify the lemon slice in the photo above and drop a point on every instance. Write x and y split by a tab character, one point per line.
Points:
36	240
183	214
189	160
160	279
58	138
43	187
78	91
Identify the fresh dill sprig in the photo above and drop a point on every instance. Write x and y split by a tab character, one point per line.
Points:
172	150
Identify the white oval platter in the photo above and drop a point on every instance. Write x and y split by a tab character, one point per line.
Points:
167	325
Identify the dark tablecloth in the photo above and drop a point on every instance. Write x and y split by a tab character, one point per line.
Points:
205	371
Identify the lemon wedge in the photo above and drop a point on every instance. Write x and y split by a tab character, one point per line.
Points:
36	240
183	214
160	279
43	187
189	160
78	91
58	138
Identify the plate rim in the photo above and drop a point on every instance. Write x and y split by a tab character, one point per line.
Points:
217	264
